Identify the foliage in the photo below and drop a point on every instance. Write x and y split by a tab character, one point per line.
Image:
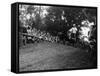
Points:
57	21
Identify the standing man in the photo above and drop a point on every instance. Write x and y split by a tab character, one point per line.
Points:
73	32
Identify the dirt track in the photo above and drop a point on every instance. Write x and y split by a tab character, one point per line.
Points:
48	56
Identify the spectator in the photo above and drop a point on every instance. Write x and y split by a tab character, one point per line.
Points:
73	31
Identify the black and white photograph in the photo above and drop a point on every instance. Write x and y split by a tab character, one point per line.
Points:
56	37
